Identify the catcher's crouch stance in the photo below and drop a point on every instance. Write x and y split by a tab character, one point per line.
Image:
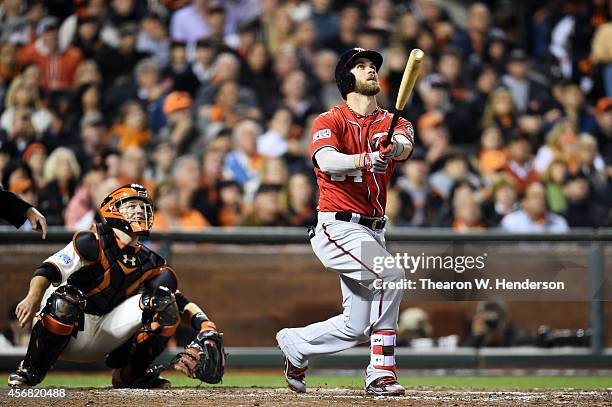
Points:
116	299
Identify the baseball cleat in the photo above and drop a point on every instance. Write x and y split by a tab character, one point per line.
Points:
295	377
22	378
150	380
385	386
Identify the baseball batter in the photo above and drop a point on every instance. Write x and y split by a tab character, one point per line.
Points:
353	170
106	295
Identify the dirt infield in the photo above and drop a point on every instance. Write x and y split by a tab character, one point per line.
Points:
321	396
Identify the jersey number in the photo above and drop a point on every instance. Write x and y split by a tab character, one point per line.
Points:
357	174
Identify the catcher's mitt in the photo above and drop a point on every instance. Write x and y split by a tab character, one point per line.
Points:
203	358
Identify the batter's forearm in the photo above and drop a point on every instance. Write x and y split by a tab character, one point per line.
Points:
331	161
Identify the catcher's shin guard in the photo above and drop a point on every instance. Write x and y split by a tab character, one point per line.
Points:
160	317
58	320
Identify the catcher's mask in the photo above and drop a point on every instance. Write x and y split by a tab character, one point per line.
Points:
344	78
129	209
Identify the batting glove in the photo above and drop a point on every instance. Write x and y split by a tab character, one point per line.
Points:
373	162
393	149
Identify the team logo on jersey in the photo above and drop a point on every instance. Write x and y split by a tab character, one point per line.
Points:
64	258
376	138
325	133
131	260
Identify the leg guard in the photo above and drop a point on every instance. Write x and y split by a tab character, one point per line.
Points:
383	351
160	318
58	320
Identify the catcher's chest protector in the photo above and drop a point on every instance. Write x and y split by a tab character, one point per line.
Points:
117	274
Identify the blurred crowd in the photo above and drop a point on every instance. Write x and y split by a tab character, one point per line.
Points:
209	103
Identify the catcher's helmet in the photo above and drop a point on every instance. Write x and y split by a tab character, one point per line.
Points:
344	78
116	213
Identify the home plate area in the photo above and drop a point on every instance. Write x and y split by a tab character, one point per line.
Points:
234	396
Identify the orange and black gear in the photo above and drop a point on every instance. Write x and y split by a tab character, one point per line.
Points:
109	209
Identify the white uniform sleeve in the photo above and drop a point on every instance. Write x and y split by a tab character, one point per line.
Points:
331	161
67	261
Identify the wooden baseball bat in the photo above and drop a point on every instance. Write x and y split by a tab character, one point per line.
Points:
408	79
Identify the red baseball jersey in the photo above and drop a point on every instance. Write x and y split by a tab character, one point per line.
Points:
359	191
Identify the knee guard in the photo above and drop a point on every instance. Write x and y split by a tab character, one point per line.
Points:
59	319
64	311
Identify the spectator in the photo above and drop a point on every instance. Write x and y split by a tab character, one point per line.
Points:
58	65
434	136
603	116
202	66
266	208
273	143
572	102
560	144
231	209
179	71
62	173
414	182
503	202
187	179
413	324
520	166
261	77
164	158
119	62
180	130
91	137
22	132
501	112
243	162
34	157
349	21
305	42
132	165
601	57
554	179
87	37
492	156
528	96
23	94
582	210
325	20
197	20
534	216
454	170
301	208
131	129
170	215
324	69
468	215
490	327
591	164
153	39
81	211
208	201
88	73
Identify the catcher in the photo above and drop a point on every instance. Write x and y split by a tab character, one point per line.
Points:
113	297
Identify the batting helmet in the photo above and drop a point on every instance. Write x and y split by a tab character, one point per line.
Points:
344	78
126	218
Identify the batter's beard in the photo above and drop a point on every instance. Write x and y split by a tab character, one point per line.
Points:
367	88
